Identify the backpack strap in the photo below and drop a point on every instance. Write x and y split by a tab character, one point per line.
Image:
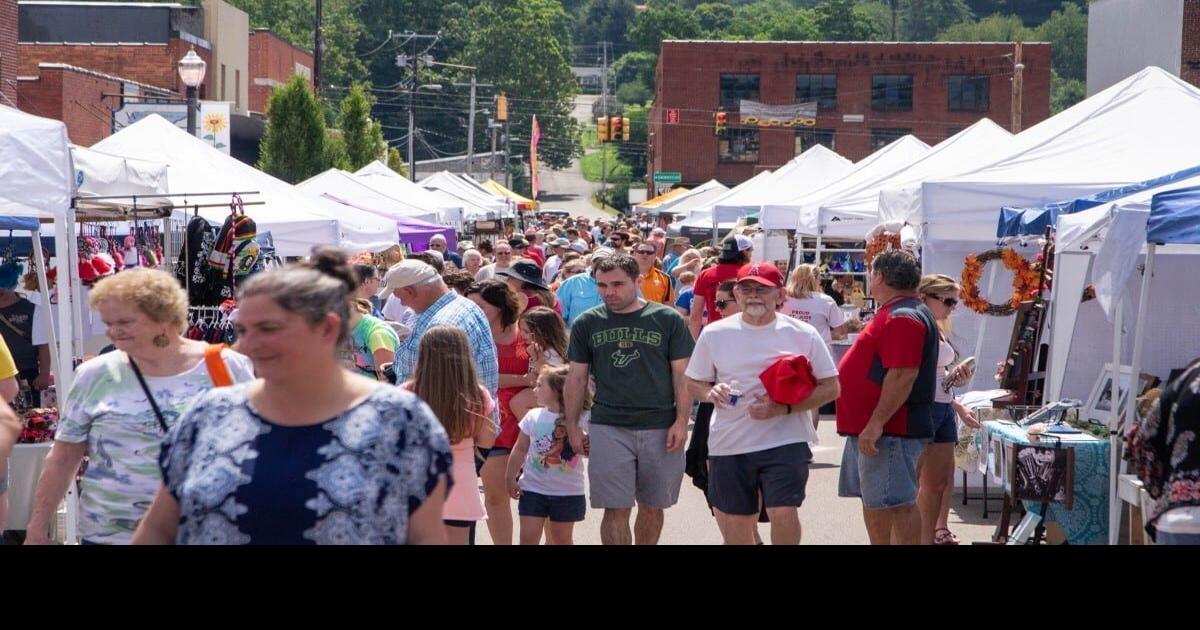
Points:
217	370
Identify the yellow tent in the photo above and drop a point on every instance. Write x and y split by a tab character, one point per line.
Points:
650	204
523	203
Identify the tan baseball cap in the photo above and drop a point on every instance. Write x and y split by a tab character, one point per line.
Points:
409	273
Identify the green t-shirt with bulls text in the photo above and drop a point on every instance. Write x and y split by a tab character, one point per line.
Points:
630	356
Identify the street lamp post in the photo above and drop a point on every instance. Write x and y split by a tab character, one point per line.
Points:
412	157
191	72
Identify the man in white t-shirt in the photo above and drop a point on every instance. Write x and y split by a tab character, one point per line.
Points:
754	443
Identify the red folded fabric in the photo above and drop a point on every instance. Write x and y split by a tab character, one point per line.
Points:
789	380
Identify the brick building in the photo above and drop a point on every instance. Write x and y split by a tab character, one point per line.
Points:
80	98
8	52
273	61
140	42
869	93
1125	36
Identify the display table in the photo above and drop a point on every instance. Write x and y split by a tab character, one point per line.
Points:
1087	523
25	468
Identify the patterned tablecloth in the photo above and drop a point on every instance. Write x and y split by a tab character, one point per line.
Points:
1087	522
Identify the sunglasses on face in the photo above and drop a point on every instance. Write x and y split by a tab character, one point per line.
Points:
949	302
721	304
646	252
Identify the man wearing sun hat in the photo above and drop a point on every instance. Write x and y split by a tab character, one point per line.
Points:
554	263
756	444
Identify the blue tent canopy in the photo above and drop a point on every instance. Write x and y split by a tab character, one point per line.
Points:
18	223
1175	217
1016	221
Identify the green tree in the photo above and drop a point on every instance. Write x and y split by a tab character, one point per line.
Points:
395	162
713	17
293	144
662	21
993	28
362	135
634	92
335	153
633	152
922	20
1067	30
772	20
605	21
293	21
1065	92
879	14
841	20
633	67
515	45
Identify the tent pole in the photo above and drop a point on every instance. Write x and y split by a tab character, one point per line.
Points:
1136	367
1114	506
64	232
983	322
44	291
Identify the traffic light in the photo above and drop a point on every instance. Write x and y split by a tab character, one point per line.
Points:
720	119
502	108
625	129
602	129
614	127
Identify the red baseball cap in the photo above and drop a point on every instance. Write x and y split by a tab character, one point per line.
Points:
763	273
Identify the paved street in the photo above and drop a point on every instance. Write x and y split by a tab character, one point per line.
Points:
567	189
826	519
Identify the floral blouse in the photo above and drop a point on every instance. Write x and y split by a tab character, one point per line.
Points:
1163	450
354	479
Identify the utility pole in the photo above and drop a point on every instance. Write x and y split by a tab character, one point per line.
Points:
318	50
492	162
1018	109
604	113
471	119
413	63
507	155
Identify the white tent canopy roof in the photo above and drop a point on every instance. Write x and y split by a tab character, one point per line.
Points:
970	147
384	180
800	211
699	196
35	165
813	169
343	186
1128	133
295	220
480	203
99	174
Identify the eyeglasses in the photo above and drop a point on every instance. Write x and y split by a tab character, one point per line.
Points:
754	289
721	304
646	252
949	302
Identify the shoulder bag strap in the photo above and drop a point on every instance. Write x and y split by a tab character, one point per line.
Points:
5	321
217	370
150	397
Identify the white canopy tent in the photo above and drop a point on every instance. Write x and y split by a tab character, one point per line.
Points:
812	170
99	174
799	212
385	181
342	185
1128	133
973	146
295	219
697	197
481	205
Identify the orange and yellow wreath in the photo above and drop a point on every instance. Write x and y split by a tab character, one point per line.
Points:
1026	281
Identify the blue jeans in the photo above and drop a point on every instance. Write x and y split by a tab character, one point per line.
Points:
885	480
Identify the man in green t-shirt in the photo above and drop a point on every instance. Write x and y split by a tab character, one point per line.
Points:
637	351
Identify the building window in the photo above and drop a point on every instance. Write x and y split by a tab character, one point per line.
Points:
735	87
881	137
821	87
892	92
237	90
968	94
738	145
807	138
222	82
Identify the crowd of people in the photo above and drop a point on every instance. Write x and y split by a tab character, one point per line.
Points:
370	405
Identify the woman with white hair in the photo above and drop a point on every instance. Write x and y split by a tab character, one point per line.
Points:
472	261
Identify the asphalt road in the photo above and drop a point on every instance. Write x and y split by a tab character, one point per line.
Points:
826	519
567	189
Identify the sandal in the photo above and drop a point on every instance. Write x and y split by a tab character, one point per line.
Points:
943	536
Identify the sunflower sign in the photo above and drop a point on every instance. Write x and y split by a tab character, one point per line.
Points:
212	126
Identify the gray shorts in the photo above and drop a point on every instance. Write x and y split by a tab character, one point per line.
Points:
627	467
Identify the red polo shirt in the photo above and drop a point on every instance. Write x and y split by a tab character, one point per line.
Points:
898	341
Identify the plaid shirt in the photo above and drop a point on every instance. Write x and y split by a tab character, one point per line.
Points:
454	310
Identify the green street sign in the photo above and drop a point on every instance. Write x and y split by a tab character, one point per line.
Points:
668	177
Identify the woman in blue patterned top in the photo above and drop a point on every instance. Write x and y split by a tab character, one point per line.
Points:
310	453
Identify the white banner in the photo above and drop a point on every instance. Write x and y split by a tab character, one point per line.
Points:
213	124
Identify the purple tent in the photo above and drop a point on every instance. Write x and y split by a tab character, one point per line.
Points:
416	233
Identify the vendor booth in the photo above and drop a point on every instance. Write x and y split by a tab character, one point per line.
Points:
385	181
522	202
479	204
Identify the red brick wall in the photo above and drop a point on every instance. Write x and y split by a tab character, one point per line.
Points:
8	51
74	97
273	59
153	64
688	79
1189	69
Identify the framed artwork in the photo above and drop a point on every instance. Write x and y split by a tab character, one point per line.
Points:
1041	473
996	456
1100	403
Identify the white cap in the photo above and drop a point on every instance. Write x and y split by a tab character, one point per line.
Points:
579	246
409	273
